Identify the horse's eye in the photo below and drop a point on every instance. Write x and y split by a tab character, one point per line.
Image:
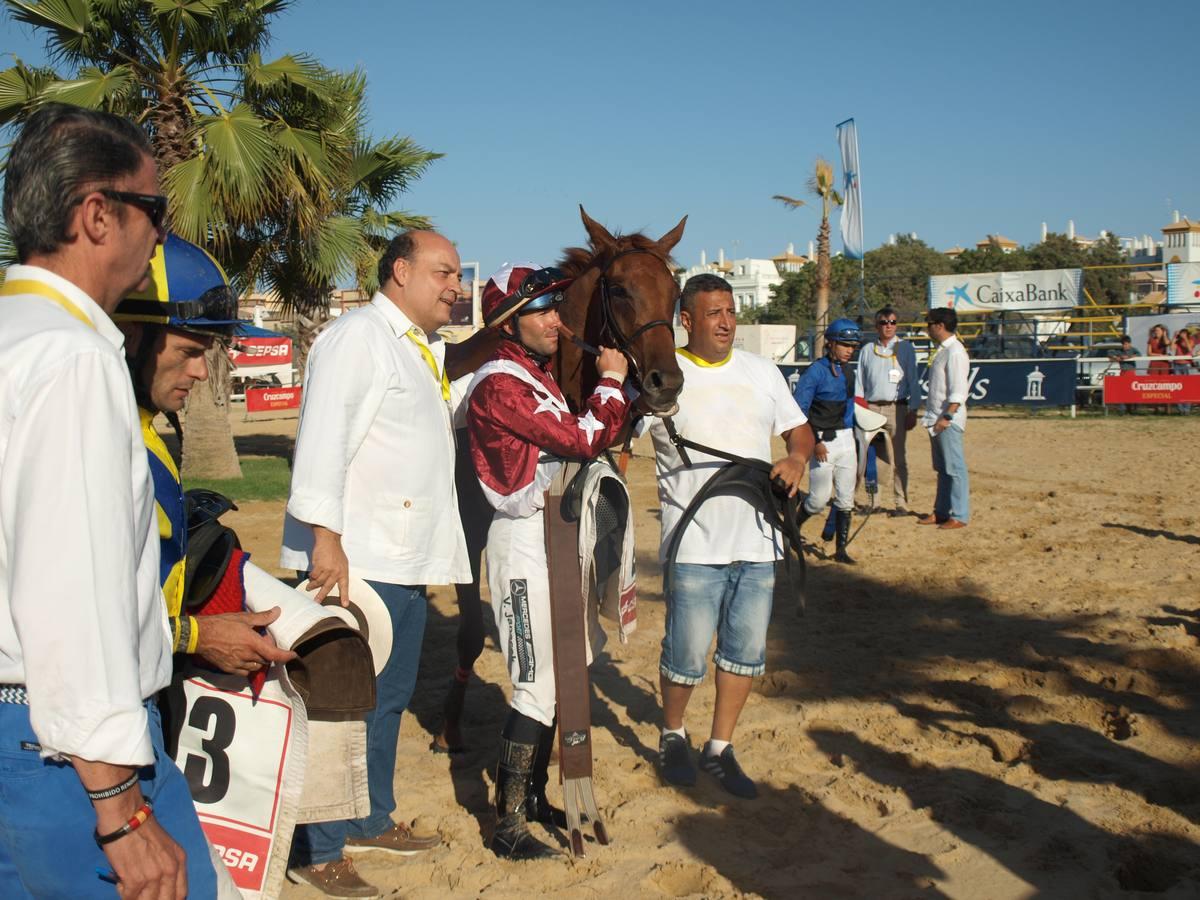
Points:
618	292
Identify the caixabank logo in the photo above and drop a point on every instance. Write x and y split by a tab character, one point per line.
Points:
1046	289
995	296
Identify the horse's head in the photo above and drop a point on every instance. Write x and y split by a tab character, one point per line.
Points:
631	292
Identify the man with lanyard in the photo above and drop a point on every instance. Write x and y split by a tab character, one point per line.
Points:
521	429
373	495
168	329
887	380
946	420
88	796
724	574
826	395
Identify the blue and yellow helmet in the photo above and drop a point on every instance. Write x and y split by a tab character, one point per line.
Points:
188	290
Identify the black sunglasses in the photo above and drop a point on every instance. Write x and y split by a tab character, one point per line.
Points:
539	281
153	205
886	322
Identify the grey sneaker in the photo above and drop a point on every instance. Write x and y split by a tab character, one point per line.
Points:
729	774
675	760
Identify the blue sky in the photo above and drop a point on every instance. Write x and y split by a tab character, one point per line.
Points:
971	119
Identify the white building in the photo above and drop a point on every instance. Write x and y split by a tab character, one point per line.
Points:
1181	241
752	279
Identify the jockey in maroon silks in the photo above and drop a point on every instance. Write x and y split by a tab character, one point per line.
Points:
521	429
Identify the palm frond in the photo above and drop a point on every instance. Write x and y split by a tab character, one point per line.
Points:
790	202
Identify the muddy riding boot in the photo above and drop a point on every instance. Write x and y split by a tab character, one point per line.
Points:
537	806
843	536
512	839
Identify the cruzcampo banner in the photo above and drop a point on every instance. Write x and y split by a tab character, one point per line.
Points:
1183	284
1004	291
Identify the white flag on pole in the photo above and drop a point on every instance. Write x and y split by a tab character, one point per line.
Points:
852	224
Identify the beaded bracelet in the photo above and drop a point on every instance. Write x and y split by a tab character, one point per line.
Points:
108	793
138	820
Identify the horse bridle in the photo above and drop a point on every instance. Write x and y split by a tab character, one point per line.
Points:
609	325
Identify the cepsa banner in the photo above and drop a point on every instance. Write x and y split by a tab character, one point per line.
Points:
260	351
1042	289
1130	387
272	398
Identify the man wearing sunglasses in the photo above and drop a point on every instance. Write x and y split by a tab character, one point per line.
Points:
84	643
521	429
887	380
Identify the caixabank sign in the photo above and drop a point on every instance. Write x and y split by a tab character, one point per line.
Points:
1005	291
1002	382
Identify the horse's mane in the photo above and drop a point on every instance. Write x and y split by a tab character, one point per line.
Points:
577	260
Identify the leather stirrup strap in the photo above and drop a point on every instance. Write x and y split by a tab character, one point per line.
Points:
570	666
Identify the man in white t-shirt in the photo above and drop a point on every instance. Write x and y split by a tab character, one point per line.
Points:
725	567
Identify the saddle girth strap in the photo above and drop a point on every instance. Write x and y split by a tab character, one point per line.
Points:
573	688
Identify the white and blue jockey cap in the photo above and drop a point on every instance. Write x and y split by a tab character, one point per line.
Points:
188	290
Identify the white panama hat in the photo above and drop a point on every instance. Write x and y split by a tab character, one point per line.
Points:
371	615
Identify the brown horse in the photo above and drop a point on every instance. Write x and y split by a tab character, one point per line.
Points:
623	296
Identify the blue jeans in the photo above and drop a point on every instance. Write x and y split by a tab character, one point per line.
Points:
734	602
315	844
46	819
953	485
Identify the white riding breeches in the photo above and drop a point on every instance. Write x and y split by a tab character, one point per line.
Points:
835	475
520	589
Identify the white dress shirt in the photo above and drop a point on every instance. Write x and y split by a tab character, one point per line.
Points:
83	624
949	381
874	380
375	453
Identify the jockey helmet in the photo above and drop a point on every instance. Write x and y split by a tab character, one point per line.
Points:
519	288
843	331
188	290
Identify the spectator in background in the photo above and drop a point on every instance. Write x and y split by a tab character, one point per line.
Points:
1158	346
1183	360
887	380
946	420
1125	358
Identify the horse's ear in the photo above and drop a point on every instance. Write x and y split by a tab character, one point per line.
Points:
671	238
597	232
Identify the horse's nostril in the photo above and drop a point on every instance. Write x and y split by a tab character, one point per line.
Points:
654	380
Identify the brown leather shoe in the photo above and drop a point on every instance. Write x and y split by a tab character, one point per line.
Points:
335	879
398	840
930	519
953	523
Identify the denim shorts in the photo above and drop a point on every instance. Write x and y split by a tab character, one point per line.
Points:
731	601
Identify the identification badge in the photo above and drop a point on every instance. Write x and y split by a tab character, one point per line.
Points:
894	376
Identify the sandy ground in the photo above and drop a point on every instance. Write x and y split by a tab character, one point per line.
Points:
1005	711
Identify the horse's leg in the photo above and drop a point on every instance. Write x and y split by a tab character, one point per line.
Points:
476	516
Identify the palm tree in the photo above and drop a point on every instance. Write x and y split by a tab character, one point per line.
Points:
259	159
300	262
821	185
